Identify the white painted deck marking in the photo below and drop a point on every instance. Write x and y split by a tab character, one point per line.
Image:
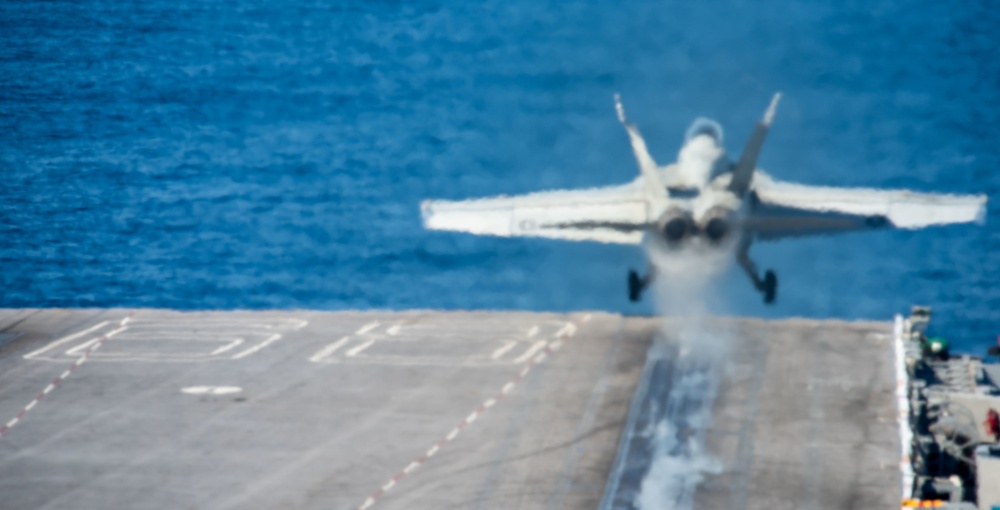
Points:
325	355
354	351
903	408
211	390
451	350
65	339
188	339
366	328
564	334
568	330
62	377
270	340
537	346
328	351
227	347
507	346
76	351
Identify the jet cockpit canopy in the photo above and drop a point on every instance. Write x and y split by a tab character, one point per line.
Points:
703	126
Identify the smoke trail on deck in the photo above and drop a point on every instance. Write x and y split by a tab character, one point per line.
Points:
679	461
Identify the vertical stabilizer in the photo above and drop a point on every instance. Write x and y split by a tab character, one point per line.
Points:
647	167
743	172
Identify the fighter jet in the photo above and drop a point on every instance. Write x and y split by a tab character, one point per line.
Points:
703	203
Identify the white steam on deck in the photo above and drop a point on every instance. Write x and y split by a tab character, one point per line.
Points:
679	461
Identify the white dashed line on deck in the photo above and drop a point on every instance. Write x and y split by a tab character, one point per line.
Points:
564	333
95	344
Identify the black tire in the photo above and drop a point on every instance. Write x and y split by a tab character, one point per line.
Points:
634	286
770	286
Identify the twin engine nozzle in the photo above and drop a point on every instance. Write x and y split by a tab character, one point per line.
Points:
678	225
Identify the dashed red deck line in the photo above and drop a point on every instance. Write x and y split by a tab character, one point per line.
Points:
549	349
58	380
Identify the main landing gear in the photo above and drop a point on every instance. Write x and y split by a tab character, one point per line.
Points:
768	286
637	284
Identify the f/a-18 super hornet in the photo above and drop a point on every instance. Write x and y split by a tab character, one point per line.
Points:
704	202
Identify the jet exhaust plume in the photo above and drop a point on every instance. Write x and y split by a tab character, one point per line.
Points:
679	460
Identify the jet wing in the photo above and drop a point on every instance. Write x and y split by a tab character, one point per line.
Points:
792	210
616	214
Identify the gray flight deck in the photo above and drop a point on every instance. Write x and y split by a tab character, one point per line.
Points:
807	419
422	409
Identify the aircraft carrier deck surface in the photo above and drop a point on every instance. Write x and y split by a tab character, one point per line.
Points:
161	409
807	419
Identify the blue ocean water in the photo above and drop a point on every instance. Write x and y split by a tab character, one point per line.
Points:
263	154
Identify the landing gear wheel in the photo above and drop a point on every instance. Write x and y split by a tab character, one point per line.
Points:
634	286
770	286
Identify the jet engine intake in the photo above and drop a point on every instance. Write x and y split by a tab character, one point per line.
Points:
676	225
